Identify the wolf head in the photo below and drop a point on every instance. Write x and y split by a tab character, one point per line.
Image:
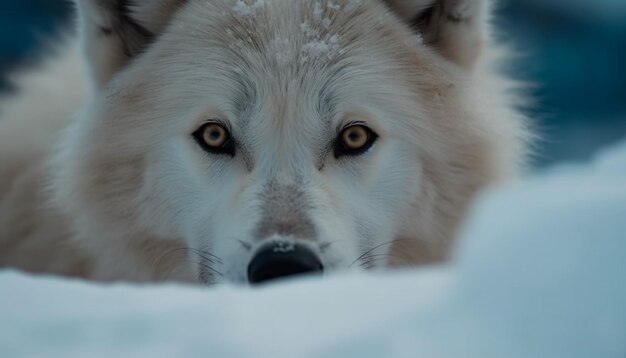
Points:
245	140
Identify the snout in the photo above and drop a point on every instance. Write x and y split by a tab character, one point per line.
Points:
279	260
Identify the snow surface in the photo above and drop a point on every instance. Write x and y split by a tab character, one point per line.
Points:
540	271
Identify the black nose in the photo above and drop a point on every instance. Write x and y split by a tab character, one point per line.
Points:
280	260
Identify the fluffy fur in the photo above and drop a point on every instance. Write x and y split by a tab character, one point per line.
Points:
100	178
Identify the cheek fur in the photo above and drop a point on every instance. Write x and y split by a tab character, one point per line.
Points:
394	177
170	189
377	196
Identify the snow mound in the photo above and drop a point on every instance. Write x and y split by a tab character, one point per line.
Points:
540	271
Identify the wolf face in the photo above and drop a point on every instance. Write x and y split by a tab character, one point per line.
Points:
268	138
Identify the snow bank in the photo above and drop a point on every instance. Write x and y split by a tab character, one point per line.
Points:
540	272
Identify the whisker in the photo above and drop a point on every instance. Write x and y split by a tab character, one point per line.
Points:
207	274
207	259
381	256
206	254
374	248
367	258
205	266
368	262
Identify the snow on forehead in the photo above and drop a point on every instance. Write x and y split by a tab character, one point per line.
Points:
249	8
320	42
242	9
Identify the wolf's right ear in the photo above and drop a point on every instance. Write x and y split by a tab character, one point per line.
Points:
114	31
454	28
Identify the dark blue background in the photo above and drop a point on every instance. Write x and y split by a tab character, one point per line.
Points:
576	59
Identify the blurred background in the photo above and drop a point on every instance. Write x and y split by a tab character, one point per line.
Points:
574	52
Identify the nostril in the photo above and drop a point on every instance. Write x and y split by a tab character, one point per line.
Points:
274	261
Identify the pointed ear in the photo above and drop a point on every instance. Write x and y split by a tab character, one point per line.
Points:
455	28
114	31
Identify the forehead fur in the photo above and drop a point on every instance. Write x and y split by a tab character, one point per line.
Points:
298	55
290	35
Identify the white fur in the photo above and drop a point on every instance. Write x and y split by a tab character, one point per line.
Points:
134	197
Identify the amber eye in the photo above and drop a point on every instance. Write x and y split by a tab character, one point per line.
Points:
214	135
354	140
354	137
214	138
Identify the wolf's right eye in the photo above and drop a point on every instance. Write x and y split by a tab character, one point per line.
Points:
215	138
354	140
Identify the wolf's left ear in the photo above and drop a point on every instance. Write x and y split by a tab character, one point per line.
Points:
455	28
114	31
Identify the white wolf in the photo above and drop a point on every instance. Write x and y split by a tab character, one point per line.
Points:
212	141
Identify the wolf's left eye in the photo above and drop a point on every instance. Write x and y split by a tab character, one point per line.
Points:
214	138
354	140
